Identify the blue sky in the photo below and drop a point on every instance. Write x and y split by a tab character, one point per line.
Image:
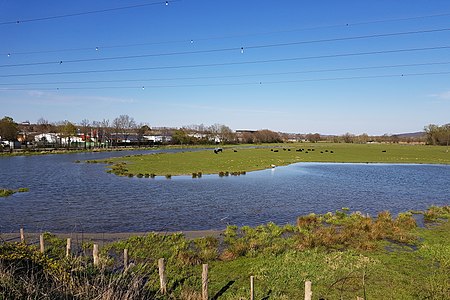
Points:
304	94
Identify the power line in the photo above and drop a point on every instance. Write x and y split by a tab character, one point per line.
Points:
230	76
87	12
235	63
229	49
232	84
192	40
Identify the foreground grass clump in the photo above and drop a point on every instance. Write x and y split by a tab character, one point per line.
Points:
344	254
8	192
235	163
27	274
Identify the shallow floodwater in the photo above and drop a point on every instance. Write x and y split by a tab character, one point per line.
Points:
69	197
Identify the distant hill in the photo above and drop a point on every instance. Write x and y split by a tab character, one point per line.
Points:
411	134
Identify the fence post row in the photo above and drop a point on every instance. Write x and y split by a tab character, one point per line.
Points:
162	269
162	276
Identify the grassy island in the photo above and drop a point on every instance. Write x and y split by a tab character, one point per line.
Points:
235	161
8	192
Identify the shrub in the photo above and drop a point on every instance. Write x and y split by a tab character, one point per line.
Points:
308	222
434	213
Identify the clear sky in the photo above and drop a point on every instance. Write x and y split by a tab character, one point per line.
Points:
305	66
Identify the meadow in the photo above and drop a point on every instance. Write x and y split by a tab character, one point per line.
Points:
344	254
236	160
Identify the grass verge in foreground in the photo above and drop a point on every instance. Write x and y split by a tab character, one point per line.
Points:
344	254
237	161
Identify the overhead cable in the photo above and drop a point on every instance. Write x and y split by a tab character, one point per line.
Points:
234	63
86	13
230	76
231	84
192	39
227	49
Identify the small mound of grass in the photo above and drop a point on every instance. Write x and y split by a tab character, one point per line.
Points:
9	192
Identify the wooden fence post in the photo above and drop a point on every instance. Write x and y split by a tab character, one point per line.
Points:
95	254
22	235
162	276
125	259
205	282
41	243
252	287
68	247
308	292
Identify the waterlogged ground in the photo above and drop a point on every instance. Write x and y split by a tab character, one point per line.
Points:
65	196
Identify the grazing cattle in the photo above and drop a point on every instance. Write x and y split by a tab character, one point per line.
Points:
235	150
331	152
275	150
383	151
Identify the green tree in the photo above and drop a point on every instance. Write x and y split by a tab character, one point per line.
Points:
180	137
438	135
68	130
8	129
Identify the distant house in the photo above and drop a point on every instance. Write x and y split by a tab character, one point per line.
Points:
55	138
158	138
47	138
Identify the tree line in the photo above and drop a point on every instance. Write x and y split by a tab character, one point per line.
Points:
438	135
124	130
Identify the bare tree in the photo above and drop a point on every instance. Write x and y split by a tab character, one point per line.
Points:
123	125
267	136
85	129
313	137
43	126
105	133
348	137
222	133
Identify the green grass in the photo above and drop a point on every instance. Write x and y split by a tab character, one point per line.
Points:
9	192
277	257
251	159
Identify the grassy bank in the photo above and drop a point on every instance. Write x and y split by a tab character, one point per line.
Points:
344	254
250	159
